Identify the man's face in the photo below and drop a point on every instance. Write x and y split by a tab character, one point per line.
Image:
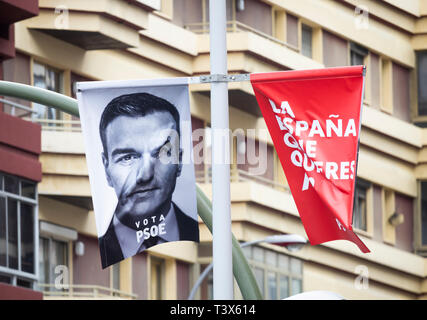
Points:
142	164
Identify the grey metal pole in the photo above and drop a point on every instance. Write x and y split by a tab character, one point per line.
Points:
222	240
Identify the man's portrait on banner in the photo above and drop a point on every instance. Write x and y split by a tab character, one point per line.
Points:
142	159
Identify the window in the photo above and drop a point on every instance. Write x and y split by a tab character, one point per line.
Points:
54	245
298	34
240	15
278	275
158	267
115	277
52	253
255	14
183	279
46	78
335	50
401	92
360	206
17	228
357	54
188	13
292	30
206	287
422	82
306	41
194	15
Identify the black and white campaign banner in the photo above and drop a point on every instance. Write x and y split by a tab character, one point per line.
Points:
138	145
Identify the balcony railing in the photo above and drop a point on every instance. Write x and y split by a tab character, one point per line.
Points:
59	125
16	109
238	175
27	113
83	291
237	26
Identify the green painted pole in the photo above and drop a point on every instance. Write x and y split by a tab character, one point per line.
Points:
38	95
242	272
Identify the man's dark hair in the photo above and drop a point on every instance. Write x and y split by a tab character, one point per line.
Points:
134	105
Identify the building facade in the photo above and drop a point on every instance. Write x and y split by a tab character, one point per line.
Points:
72	40
20	172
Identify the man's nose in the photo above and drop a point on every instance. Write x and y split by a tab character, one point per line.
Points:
145	169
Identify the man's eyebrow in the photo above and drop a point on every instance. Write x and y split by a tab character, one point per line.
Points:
122	151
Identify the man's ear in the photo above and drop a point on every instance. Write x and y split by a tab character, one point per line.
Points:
105	163
179	163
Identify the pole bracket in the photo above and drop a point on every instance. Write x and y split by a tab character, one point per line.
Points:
218	78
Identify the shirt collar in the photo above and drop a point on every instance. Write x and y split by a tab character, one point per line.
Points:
127	237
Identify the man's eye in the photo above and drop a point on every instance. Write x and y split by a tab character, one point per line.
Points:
127	158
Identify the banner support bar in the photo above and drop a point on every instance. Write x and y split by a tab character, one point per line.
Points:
222	78
206	78
212	78
218	78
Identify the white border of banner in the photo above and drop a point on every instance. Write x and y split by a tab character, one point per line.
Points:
117	84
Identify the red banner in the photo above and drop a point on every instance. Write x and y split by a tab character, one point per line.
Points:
313	117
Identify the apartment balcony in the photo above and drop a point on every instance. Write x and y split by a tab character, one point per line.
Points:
234	26
270	51
59	125
83	292
16	109
249	50
19	143
10	13
94	25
